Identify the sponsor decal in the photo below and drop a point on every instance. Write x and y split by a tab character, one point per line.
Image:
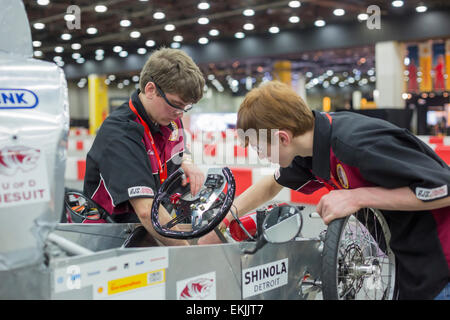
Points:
263	278
18	99
140	191
74	277
109	278
174	134
136	281
202	287
430	194
342	176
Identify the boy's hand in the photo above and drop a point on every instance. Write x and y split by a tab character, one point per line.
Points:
338	204
195	176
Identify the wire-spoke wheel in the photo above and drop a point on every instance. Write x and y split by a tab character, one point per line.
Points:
357	262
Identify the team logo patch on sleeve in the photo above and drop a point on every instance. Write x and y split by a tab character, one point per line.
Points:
430	194
140	191
174	134
342	176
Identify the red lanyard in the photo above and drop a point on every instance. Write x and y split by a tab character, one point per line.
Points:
332	179
162	169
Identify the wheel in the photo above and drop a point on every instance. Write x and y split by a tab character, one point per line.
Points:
357	262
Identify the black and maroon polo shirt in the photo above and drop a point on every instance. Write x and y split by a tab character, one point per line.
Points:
121	163
356	151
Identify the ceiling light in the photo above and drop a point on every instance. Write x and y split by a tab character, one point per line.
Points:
203	40
76	55
178	38
76	46
214	32
248	12
125	23
274	29
37	43
203	5
339	12
126	82
239	35
135	78
141	51
100	8
60	63
397	3
91	30
43	2
158	15
80	60
123	54
363	16
69	17
39	26
99	52
203	20
38	53
59	49
421	8
117	49
169	27
294	19
249	26
294	4
150	43
319	23
175	45
112	77
66	36
135	34
99	58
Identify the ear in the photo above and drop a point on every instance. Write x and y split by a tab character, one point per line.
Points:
285	137
150	90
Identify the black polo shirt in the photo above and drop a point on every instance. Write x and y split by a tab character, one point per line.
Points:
121	163
358	151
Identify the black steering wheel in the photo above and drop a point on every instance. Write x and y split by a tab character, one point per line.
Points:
201	213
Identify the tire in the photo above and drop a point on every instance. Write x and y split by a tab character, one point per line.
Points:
357	262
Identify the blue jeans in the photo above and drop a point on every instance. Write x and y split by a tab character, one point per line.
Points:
444	294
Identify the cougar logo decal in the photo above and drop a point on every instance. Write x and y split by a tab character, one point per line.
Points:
197	289
18	158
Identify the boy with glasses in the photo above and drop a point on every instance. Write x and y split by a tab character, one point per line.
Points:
141	143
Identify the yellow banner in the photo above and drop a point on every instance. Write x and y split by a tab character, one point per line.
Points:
326	104
447	64
98	102
282	71
425	65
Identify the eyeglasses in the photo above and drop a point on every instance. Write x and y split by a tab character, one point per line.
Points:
186	108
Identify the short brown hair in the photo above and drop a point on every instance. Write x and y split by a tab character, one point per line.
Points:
175	72
274	105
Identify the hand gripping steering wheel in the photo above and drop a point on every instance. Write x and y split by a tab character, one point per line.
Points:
199	214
